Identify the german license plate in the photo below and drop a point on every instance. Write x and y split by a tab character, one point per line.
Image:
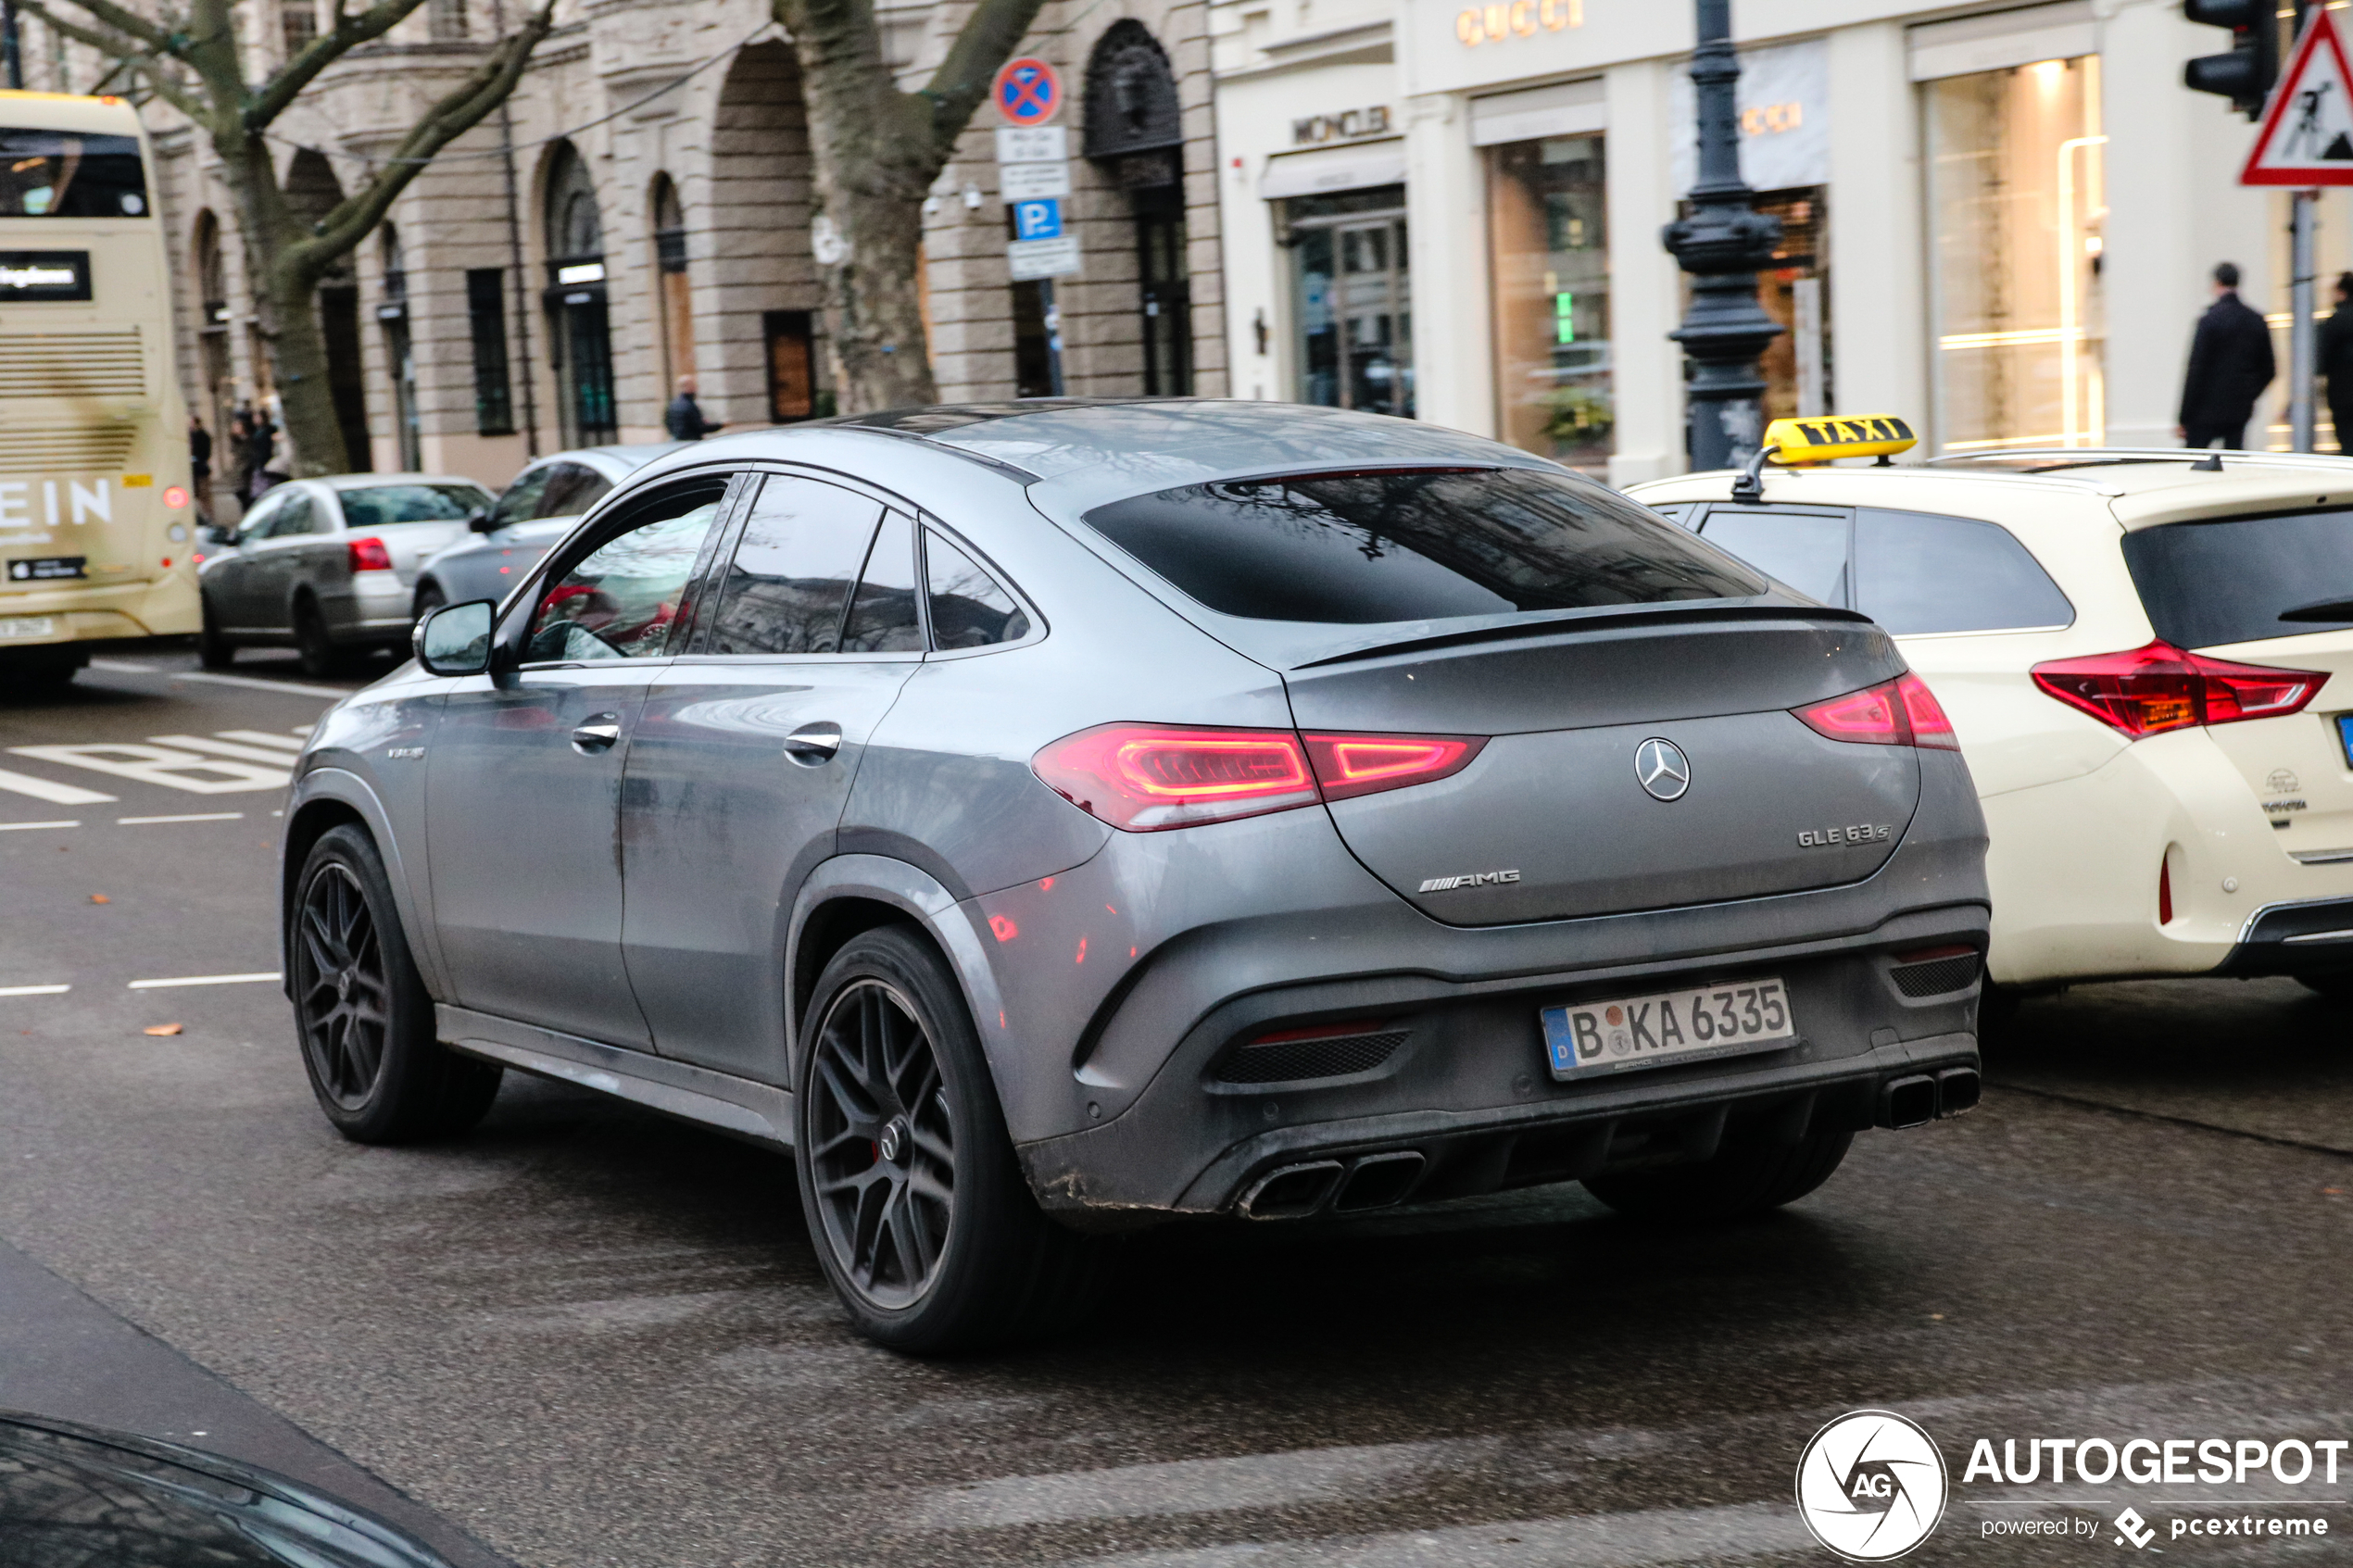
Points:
49	569
28	625
1596	1038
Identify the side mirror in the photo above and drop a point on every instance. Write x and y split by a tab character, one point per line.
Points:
213	533
482	520
455	639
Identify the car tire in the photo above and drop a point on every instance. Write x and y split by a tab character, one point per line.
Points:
429	598
2335	985
915	1203
214	650
320	658
1741	1180
361	1011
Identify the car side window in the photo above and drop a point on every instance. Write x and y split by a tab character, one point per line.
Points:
789	584
261	518
885	616
969	609
298	515
1806	550
574	488
622	600
1917	573
521	501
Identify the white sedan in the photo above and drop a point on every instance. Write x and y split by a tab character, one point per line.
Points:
2148	660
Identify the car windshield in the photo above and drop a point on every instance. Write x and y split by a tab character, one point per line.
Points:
380	505
68	174
1415	545
2245	578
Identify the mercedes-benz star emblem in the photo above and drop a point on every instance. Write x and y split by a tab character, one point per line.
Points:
1662	769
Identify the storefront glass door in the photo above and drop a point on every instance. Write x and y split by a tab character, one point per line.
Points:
2016	209
1352	301
1548	248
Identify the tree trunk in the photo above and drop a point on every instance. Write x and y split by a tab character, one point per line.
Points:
876	157
285	303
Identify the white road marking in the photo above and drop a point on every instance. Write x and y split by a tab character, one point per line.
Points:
34	990
1639	1539
335	692
223	748
188	817
55	794
263	737
160	765
202	980
21	827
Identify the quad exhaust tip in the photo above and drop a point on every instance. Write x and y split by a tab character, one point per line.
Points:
1921	1099
1294	1192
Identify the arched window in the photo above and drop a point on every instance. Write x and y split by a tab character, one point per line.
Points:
399	354
678	296
1136	135
580	337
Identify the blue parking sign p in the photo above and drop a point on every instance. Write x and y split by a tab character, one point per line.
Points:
1038	219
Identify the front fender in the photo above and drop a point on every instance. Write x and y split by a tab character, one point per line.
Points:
348	788
953	925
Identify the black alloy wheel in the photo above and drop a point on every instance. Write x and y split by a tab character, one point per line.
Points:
884	1150
340	988
361	1011
920	1213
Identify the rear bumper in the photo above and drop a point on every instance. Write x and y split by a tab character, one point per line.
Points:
114	612
2311	936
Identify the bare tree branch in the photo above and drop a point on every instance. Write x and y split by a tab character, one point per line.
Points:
348	33
983	44
459	111
125	53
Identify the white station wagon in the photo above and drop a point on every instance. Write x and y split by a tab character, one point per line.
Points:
2147	656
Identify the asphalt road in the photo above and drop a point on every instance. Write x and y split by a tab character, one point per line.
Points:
588	1336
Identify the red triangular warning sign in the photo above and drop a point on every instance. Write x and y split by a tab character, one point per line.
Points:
2307	137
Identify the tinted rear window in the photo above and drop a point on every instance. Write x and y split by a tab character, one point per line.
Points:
1360	548
380	505
2231	582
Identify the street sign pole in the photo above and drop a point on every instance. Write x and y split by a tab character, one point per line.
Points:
2302	338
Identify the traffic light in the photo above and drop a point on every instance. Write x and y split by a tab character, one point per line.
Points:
2245	74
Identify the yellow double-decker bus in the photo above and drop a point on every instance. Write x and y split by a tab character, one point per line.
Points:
97	520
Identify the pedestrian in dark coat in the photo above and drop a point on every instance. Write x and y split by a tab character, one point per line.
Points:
2230	365
2336	361
684	418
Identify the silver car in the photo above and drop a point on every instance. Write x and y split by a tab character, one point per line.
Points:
1051	817
536	511
329	565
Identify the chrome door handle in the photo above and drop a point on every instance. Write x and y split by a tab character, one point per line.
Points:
596	734
812	745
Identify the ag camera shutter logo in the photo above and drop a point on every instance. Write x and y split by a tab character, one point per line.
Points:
1872	1486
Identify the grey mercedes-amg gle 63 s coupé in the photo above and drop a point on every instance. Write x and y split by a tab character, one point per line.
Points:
1046	818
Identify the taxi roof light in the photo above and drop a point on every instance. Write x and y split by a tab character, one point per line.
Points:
1794	442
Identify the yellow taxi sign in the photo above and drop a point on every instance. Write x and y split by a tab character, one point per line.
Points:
1818	441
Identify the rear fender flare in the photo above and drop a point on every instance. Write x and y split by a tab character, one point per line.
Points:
347	789
928	905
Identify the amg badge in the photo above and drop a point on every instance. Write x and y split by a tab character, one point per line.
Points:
1475	879
1862	832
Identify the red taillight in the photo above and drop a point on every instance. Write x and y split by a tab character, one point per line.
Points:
2160	687
1347	765
1925	715
2164	892
1148	777
1898	712
368	555
1145	777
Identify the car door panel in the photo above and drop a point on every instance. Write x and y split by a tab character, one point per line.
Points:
529	910
725	813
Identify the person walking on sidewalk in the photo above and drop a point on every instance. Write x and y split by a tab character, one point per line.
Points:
200	466
684	417
2336	361
2230	365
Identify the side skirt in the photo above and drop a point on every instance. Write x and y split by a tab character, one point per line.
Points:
760	1112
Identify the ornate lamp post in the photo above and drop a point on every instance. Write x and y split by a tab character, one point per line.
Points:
1722	243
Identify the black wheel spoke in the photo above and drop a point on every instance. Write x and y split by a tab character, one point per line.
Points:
343	992
881	1151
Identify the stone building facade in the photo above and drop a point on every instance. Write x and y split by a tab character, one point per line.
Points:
641	211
